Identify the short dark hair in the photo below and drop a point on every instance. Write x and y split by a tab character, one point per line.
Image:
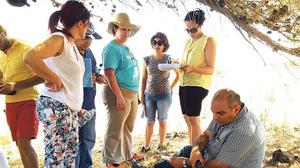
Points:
197	16
113	27
163	38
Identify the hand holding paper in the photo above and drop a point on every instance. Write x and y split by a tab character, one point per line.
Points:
164	67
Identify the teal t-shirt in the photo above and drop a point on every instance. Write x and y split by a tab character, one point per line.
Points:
122	60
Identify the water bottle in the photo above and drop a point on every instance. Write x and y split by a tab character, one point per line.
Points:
98	70
87	116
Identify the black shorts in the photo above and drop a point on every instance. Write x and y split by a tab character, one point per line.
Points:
191	99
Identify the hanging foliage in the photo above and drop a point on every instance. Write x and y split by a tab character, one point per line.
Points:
273	22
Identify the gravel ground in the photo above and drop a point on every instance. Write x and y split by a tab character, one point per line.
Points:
281	137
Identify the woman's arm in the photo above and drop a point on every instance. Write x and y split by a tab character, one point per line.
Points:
143	83
113	84
210	58
53	46
175	79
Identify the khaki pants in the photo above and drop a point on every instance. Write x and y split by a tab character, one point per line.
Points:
117	140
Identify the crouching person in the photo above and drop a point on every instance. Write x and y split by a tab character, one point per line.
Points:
235	138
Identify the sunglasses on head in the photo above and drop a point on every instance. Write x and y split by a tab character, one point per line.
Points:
157	42
192	30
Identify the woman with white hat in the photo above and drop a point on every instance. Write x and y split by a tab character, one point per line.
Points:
120	96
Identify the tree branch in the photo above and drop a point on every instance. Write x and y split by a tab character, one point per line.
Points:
250	29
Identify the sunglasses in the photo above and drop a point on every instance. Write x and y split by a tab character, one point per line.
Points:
192	30
157	42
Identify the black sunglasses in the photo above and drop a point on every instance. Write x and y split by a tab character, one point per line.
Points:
157	42
192	30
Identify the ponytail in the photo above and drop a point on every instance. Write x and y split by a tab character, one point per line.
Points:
53	21
70	13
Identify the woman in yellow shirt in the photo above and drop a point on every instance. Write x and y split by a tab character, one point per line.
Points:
198	64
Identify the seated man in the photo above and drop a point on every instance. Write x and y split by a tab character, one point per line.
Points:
235	138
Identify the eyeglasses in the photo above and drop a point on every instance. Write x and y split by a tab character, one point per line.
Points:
157	42
192	30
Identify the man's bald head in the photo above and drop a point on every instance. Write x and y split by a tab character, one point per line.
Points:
225	106
229	95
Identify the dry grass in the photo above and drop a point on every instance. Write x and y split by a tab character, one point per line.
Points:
278	137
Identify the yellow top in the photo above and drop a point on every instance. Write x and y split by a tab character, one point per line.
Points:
194	55
14	69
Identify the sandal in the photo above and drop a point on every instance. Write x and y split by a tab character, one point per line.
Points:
137	156
145	150
161	148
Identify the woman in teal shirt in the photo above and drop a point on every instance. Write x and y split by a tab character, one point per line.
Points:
120	96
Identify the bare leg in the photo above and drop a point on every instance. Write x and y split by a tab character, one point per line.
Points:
162	132
187	121
28	154
22	156
195	128
148	135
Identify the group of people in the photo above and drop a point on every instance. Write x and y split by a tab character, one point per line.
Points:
66	104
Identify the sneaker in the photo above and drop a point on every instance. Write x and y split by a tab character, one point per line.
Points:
145	150
86	116
137	156
135	164
161	148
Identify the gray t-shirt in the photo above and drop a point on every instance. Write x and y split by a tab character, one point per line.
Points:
241	144
157	80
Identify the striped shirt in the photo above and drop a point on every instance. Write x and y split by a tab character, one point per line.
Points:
239	144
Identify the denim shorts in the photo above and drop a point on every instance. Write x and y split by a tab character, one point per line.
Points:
160	103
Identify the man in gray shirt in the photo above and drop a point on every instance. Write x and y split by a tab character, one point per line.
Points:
235	138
